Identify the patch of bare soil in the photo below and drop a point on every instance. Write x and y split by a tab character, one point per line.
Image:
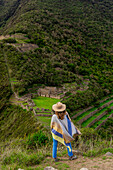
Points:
19	36
97	163
2	37
22	47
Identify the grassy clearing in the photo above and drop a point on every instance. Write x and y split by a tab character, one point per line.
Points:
42	113
45	102
44	120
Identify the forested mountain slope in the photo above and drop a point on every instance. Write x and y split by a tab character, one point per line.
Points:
74	47
75	40
7	9
5	87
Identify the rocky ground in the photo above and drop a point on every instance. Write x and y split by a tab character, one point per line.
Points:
97	163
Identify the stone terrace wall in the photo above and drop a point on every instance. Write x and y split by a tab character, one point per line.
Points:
96	119
92	113
98	127
78	114
44	115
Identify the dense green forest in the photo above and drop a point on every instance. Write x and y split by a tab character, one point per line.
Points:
7	9
74	43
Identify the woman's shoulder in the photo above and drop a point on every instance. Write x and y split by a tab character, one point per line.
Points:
54	116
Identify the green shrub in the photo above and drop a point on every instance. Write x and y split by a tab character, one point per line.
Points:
105	150
37	139
9	40
88	133
98	151
96	104
23	159
106	131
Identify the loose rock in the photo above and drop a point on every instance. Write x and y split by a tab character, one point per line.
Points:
108	154
49	168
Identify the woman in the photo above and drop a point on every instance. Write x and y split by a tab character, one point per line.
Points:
62	129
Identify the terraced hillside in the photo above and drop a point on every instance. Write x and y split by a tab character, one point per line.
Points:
96	116
40	106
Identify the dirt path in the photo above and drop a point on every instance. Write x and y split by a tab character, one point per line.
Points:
98	163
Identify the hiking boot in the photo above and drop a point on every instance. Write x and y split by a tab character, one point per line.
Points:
56	159
72	157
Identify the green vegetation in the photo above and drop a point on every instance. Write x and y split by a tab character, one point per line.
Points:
9	40
85	114
5	86
84	99
16	122
37	139
45	120
74	41
101	119
106	131
85	123
98	112
7	9
69	44
45	102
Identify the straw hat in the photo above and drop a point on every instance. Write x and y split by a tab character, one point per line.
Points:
59	107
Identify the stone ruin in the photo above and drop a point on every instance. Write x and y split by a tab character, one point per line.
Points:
31	103
31	109
37	109
42	109
52	92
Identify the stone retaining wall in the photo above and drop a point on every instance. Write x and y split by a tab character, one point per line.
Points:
95	111
96	119
42	112
44	115
78	114
98	127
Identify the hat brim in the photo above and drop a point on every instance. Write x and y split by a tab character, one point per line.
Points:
54	107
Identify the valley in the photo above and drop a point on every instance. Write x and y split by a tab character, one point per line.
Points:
53	51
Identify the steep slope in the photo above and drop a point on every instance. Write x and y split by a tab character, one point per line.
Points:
7	9
74	40
5	87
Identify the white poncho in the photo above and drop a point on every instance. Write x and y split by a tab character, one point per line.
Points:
63	130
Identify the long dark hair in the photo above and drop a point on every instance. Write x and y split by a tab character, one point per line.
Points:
60	115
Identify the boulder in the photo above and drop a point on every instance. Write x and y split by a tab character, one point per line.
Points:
108	154
49	168
42	109
77	152
83	169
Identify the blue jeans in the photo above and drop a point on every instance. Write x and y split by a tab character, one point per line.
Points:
55	143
